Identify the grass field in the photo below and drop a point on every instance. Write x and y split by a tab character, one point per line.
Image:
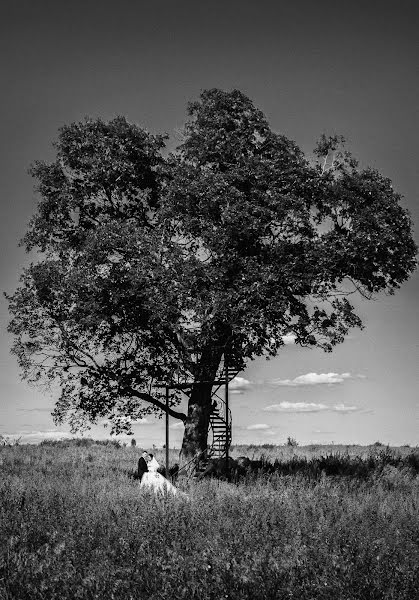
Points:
74	525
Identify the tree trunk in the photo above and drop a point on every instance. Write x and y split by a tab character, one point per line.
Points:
195	438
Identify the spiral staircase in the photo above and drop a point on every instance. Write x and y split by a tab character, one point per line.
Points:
220	423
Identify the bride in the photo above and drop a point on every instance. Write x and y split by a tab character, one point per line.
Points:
154	481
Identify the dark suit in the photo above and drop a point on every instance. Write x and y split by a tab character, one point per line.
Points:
142	468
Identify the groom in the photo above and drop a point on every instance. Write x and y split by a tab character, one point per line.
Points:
142	465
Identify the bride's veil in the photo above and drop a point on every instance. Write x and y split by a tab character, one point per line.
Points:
153	465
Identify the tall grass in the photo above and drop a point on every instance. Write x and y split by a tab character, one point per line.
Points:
74	525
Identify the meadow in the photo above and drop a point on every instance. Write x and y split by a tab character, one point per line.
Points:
311	523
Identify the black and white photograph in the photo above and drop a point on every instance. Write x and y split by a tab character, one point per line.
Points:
209	348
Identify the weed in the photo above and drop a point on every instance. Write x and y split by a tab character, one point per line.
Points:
302	526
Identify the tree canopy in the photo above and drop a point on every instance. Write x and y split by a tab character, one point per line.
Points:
150	263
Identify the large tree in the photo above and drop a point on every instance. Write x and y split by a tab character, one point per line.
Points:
151	269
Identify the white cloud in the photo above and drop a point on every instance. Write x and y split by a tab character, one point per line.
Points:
289	339
295	407
308	407
238	385
342	408
323	432
139	421
37	436
313	379
257	426
40	409
178	425
142	421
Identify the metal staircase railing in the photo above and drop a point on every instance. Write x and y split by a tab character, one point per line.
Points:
220	425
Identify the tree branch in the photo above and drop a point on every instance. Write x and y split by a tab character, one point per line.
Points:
148	398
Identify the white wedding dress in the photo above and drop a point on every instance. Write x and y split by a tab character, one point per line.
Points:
155	482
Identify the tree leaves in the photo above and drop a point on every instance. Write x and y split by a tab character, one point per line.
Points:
148	265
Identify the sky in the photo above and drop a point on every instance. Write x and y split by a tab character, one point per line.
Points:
312	68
